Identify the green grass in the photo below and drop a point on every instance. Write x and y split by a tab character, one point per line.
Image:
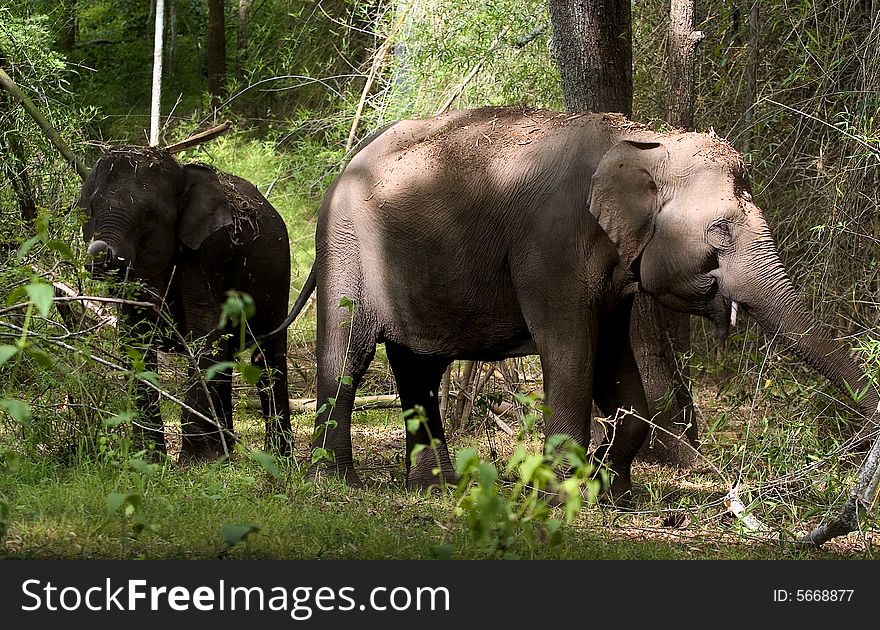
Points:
61	511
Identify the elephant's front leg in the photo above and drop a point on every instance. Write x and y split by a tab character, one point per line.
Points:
567	363
206	421
272	358
149	430
620	396
418	384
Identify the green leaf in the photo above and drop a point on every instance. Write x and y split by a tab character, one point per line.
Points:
218	367
41	294
150	377
465	459
413	424
417	448
231	535
320	453
61	247
145	468
120	418
117	500
529	466
13	460
267	462
16	295
346	303
249	372
19	410
41	357
7	352
27	246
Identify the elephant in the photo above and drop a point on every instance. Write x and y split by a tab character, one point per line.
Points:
190	234
498	232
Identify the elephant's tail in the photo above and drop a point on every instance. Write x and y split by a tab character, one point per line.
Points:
306	292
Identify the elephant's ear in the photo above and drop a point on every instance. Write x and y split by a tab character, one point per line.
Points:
624	197
204	209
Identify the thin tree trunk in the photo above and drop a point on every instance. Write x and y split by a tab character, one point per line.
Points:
751	79
155	104
682	54
216	51
244	13
68	32
9	85
171	55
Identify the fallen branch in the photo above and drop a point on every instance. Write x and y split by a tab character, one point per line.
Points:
199	138
736	507
862	499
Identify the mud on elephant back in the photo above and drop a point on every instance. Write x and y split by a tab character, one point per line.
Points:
498	232
189	234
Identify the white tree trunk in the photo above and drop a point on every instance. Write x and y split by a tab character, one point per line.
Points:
157	73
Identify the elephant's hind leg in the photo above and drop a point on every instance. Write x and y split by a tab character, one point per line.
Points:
346	346
418	383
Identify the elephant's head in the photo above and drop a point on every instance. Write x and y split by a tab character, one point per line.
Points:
141	205
680	212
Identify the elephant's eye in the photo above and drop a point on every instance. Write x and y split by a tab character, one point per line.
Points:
719	233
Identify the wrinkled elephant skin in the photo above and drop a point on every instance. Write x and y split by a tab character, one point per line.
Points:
498	232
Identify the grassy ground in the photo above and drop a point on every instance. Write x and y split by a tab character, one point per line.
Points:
174	512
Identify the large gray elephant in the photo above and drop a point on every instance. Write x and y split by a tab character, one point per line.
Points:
499	232
190	234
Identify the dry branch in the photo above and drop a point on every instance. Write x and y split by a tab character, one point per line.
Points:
199	138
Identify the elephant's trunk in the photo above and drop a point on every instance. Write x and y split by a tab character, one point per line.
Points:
772	300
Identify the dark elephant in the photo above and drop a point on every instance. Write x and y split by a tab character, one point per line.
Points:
190	234
499	232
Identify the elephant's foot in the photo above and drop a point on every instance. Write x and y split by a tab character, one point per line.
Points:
427	474
201	448
619	493
343	472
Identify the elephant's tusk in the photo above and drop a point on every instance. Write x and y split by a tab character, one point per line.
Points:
733	308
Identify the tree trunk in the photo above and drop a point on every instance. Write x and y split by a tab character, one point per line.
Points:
593	45
592	40
661	337
244	13
216	51
751	80
155	105
171	48
68	29
682	51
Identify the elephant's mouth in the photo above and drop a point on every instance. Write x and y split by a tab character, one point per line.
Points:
107	261
723	313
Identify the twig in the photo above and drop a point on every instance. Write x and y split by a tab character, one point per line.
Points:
378	64
736	507
461	86
199	138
